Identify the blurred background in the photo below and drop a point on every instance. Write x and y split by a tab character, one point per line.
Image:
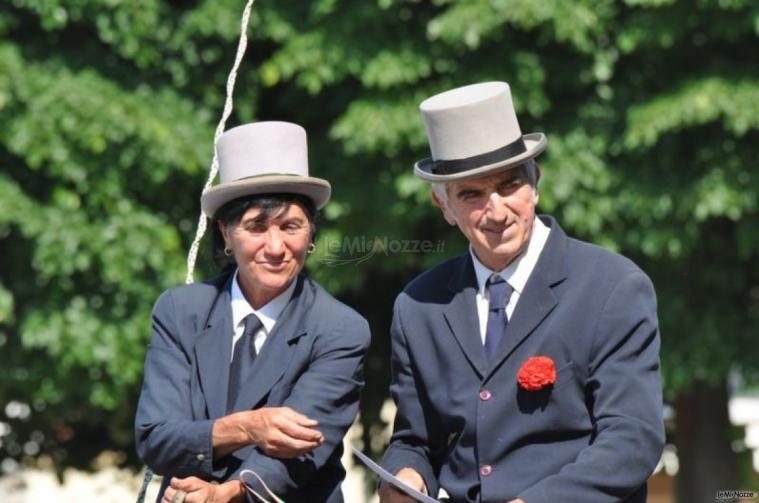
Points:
107	115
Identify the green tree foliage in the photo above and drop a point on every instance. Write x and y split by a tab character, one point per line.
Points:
107	109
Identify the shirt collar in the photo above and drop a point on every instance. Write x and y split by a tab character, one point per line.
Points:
518	272
268	313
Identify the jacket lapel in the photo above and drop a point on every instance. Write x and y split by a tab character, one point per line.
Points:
537	299
276	352
461	315
213	352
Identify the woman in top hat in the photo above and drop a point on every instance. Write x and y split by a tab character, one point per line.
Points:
259	368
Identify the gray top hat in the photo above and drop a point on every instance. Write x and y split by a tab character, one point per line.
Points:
263	158
473	131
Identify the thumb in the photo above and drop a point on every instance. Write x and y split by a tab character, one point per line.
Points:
187	484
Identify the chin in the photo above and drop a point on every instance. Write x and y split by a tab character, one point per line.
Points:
267	280
512	249
502	247
277	282
503	253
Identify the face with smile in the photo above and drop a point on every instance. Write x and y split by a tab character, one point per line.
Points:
270	252
494	212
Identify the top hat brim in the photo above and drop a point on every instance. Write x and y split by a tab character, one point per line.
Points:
535	144
317	189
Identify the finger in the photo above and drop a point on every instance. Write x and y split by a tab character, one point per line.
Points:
197	497
298	417
285	447
167	495
298	432
187	484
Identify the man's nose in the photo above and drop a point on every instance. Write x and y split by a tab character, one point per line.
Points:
497	209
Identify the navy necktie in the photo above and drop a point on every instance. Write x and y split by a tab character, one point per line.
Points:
500	292
242	359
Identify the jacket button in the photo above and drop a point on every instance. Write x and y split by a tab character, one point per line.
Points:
200	457
486	470
485	395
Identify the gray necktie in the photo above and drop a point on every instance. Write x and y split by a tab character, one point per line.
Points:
242	359
500	292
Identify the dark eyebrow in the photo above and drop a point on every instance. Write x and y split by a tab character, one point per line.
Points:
257	220
467	190
298	220
264	217
511	175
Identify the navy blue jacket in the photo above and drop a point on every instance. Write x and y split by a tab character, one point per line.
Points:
466	426
311	362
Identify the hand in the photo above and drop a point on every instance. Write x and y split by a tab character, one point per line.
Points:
390	494
279	431
200	491
282	432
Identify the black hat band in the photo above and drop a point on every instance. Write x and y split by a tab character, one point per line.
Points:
453	166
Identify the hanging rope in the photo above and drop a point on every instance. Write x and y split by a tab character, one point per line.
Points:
192	255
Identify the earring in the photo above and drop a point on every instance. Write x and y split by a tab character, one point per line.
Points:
311	248
227	252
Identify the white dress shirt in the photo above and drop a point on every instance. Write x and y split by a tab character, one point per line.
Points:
516	274
268	313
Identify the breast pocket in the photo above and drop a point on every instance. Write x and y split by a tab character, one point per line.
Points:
558	407
564	375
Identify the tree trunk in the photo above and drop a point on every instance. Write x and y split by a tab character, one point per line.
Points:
707	462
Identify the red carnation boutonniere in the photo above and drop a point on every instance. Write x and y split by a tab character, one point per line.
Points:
537	373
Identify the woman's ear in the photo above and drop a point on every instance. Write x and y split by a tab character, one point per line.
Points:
224	233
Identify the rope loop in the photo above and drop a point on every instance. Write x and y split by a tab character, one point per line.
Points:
192	255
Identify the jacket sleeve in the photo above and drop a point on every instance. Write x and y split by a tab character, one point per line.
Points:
328	391
416	442
167	439
625	384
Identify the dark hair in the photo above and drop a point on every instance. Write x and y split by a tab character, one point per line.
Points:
270	205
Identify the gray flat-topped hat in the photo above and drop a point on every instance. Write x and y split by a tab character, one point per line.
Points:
263	158
473	131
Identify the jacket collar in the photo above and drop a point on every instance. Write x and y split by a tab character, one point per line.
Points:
536	302
214	347
461	314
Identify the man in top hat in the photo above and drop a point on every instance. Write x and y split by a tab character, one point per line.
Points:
526	369
260	368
